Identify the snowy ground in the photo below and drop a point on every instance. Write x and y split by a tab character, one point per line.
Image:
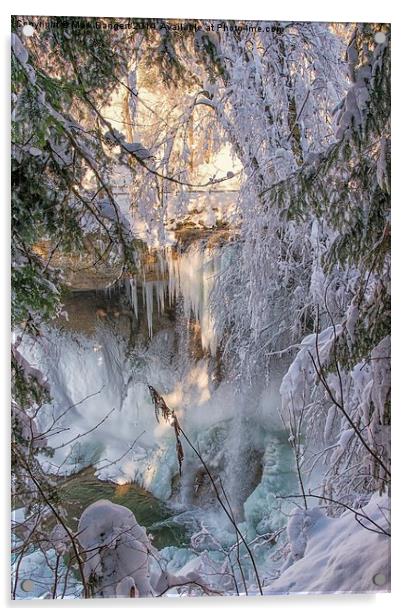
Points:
338	554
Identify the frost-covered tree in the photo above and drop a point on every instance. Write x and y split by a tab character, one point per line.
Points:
61	193
342	373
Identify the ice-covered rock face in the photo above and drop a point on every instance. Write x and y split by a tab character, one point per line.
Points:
102	395
117	549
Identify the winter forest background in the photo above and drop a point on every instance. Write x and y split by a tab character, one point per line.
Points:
200	307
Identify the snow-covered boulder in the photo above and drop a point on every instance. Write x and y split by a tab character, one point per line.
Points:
117	551
120	560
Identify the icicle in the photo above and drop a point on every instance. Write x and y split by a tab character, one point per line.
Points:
191	276
188	276
133	296
159	287
148	302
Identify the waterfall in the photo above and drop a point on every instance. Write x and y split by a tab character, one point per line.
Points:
99	383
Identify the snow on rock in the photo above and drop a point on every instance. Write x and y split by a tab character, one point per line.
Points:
118	551
299	524
192	575
121	562
337	554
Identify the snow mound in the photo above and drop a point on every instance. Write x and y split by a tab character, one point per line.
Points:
337	554
120	560
117	549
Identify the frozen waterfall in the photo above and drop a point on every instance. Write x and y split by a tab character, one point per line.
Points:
187	276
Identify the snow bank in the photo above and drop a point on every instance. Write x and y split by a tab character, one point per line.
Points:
337	554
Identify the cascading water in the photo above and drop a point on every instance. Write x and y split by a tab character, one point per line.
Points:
99	386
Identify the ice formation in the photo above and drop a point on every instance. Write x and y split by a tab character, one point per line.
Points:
187	276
